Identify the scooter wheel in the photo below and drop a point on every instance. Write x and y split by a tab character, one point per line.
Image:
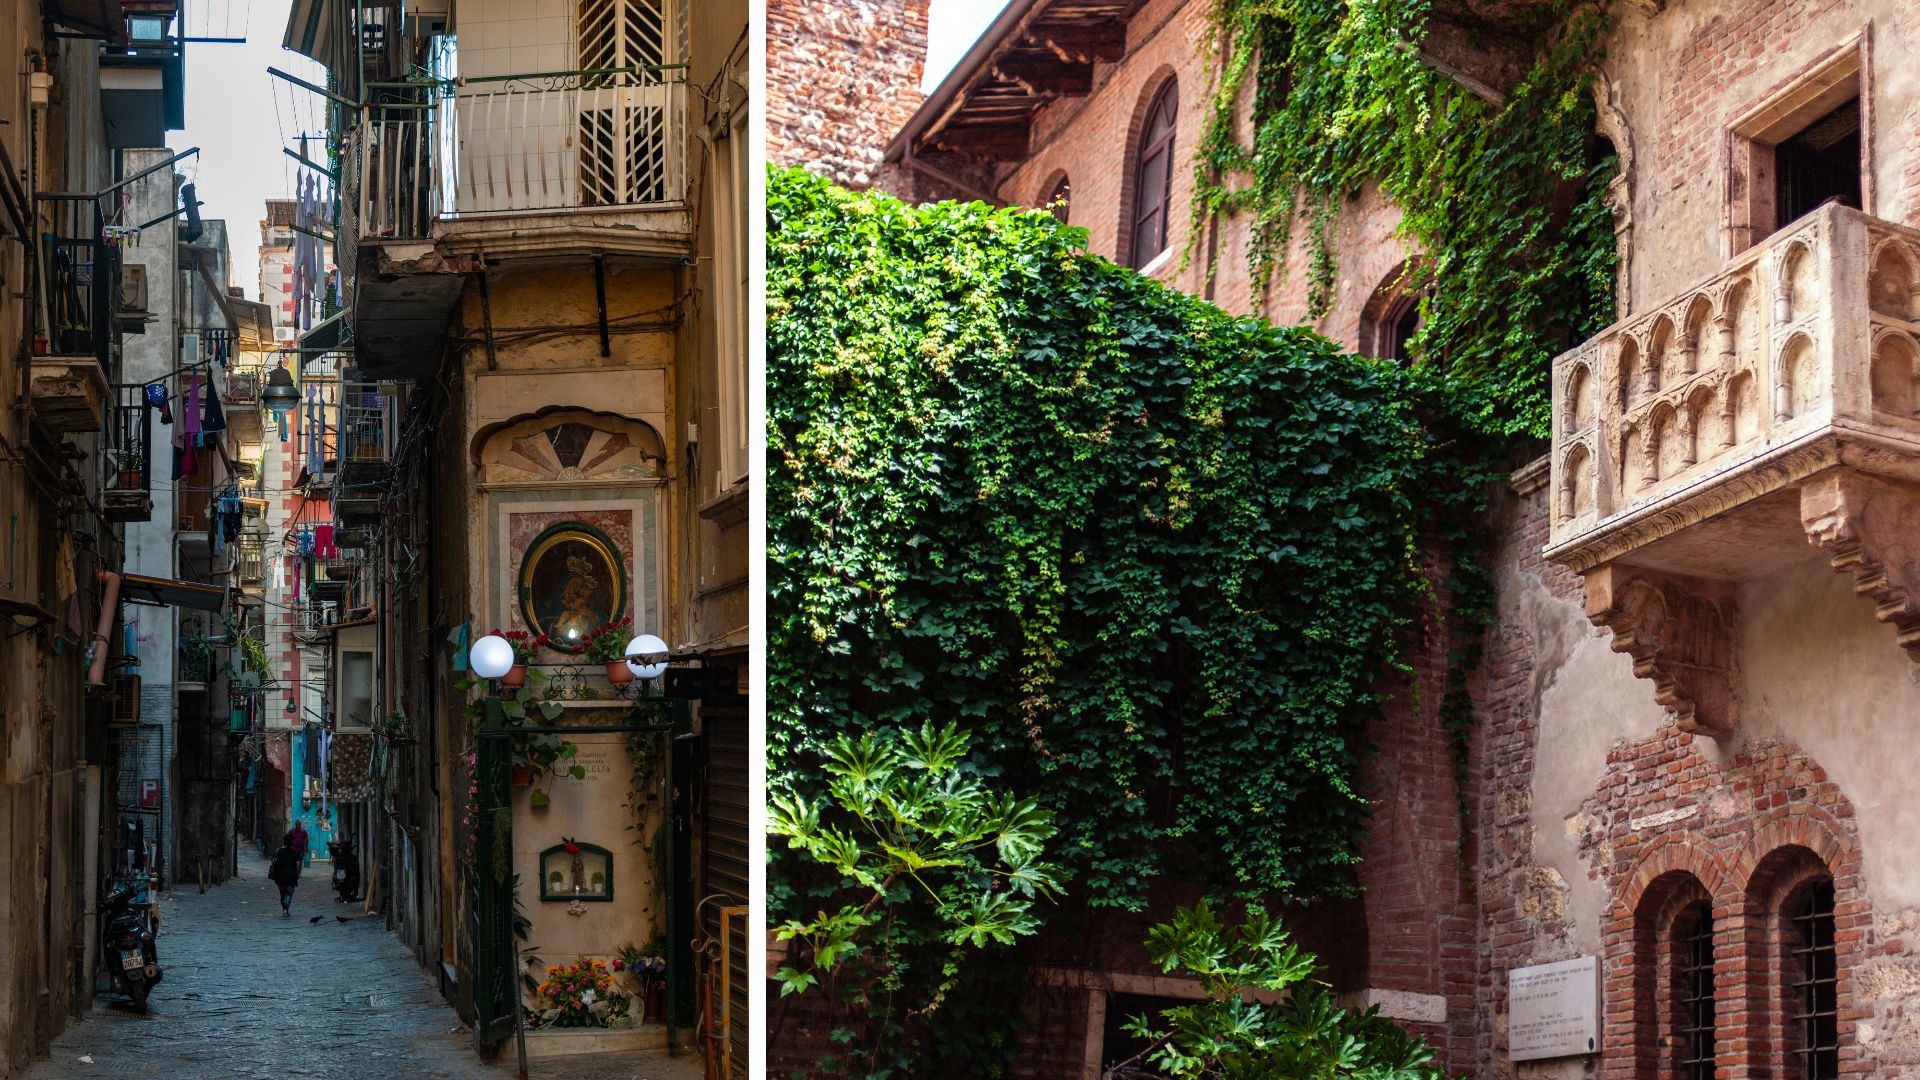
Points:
137	990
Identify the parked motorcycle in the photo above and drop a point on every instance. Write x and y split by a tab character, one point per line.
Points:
127	946
346	870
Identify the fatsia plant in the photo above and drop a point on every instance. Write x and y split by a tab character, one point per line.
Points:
932	862
1265	1015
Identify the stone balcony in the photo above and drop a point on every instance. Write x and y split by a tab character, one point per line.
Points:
1769	415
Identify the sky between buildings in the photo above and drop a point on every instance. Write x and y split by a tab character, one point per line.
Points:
240	117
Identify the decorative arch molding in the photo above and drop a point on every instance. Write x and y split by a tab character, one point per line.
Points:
1611	123
1682	852
569	446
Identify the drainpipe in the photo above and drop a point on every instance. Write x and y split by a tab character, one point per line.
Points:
109	603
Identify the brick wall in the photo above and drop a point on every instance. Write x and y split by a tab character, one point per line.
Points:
849	79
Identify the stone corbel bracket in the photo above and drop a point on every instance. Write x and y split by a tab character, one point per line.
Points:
1680	633
1870	528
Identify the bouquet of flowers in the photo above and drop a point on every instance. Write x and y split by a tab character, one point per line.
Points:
526	645
582	994
608	642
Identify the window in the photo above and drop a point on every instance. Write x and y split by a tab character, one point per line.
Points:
1820	163
1800	148
731	263
1693	992
1391	317
1057	200
1812	983
1153	178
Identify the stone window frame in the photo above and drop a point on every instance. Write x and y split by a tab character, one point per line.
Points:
1840	74
1163	81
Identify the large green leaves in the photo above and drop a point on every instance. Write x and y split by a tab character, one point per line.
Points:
1264	1015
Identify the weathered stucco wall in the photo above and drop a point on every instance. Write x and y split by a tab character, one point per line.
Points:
1588	783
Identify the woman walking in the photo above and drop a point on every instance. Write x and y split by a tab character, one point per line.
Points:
285	873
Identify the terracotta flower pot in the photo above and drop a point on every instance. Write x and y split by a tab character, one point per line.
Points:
618	673
523	776
515	676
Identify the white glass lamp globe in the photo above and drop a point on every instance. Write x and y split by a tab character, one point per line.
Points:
491	657
646	645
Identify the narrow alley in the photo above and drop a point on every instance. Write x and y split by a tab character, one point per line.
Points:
250	994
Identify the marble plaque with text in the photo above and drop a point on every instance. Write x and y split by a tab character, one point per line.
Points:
1553	1010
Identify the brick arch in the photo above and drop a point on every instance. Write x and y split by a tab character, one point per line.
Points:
1145	96
1673	873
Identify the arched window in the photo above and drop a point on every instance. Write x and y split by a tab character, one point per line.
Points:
1058	197
1693	992
1153	178
1812	977
1392	316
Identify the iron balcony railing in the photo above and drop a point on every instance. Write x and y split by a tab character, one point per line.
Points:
250	560
130	458
366	423
597	140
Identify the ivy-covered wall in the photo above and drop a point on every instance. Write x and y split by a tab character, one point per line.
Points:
1154	555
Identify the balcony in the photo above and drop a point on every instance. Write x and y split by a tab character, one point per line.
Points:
366	452
143	84
509	167
1712	440
127	495
68	384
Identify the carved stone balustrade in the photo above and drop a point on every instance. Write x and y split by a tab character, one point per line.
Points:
1709	441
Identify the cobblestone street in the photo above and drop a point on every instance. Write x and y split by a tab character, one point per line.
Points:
249	994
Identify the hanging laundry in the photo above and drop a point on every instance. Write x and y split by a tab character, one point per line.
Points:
323	542
190	415
214	418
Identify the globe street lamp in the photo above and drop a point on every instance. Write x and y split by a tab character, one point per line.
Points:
647	657
491	657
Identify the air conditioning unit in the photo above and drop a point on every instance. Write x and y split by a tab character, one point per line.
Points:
133	289
126	700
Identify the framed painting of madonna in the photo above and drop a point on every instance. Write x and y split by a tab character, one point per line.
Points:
573	538
572	579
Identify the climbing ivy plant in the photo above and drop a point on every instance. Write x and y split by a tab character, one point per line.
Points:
1505	200
1152	556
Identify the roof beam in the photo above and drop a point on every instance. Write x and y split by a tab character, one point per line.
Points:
1045	77
1106	42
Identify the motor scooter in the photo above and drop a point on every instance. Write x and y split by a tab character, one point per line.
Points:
346	870
126	941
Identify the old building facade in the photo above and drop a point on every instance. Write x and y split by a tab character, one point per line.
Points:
541	226
1686	764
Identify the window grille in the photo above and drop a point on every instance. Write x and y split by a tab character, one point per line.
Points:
623	134
1694	988
1813	987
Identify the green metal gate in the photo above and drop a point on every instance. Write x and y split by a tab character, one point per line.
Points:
497	974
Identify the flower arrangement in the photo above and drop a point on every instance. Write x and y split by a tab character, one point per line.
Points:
582	994
648	970
608	642
526	645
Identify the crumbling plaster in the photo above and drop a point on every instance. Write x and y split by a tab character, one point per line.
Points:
1819	673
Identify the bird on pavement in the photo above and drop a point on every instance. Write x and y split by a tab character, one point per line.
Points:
313	920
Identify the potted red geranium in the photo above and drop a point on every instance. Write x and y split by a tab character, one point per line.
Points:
608	645
526	646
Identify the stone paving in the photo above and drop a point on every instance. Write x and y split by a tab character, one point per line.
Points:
249	995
